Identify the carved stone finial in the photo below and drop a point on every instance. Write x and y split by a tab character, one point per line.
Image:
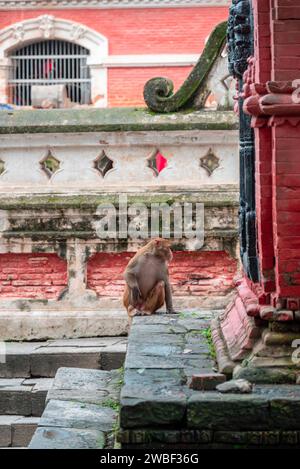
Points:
158	92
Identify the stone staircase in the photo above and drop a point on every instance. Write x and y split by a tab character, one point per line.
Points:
81	411
27	373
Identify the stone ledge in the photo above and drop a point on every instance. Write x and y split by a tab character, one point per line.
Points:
28	359
111	120
16	430
23	397
206	439
57	324
211	195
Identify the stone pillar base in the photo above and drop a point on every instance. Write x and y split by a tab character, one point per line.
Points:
250	348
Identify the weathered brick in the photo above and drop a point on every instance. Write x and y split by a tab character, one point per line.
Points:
32	276
206	381
191	273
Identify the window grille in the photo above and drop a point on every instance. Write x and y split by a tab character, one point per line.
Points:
50	62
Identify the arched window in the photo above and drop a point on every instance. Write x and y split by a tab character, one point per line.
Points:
50	62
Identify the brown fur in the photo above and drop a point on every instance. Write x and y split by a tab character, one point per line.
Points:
147	279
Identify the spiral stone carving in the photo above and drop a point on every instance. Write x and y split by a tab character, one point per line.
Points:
158	92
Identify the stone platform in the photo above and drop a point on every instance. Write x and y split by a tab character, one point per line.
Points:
159	409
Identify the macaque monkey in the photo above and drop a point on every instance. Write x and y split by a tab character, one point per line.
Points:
147	279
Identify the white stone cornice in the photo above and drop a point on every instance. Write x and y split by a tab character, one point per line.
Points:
150	60
102	4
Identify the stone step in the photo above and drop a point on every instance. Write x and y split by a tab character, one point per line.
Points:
23	397
81	411
17	431
43	359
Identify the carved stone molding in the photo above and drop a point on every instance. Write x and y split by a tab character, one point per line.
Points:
61	4
49	26
273	103
18	33
46	25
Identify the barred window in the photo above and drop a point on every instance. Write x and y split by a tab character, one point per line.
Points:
50	62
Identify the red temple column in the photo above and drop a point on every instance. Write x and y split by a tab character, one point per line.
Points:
257	335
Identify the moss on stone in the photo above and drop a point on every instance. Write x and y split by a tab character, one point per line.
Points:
212	197
207	334
111	120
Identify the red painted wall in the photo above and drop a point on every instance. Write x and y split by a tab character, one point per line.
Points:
191	273
263	139
277	54
37	276
126	85
140	31
44	276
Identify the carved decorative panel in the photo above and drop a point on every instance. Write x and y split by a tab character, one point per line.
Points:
157	162
210	162
103	164
240	49
50	165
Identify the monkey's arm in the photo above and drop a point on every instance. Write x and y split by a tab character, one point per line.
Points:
131	280
169	301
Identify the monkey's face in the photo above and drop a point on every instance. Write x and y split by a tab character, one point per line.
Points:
163	250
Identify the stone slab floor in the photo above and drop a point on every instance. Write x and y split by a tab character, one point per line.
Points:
159	409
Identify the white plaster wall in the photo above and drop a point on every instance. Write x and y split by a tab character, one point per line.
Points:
22	153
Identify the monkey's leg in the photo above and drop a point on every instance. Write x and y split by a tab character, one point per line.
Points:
168	294
126	296
131	310
155	300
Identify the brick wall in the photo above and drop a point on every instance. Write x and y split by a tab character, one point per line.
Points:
140	31
36	276
285	37
44	276
286	200
191	273
277	53
263	141
286	40
126	86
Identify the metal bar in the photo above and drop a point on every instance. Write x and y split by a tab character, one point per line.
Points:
44	80
50	62
24	88
45	56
